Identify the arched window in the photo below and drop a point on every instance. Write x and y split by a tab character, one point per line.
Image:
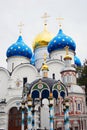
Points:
45	93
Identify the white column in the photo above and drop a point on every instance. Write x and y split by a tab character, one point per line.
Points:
29	118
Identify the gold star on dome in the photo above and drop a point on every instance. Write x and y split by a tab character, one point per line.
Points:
20	27
59	21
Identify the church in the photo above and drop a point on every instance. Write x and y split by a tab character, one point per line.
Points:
35	84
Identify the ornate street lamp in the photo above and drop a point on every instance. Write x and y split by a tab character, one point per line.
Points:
29	103
66	113
51	102
23	107
33	121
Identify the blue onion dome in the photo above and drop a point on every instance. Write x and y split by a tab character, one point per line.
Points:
77	61
19	49
32	60
60	41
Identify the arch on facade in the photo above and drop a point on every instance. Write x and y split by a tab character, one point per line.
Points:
24	65
5	70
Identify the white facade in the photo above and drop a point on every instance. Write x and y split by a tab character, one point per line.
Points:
19	67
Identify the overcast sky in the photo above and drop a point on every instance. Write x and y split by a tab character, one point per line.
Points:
12	12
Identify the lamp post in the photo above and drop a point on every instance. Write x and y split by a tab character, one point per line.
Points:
66	113
51	110
29	103
33	112
23	107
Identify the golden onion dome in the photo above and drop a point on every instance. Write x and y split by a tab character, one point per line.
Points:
42	39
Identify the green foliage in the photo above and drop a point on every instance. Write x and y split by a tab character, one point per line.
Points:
82	76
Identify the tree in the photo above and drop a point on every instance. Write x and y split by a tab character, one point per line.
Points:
82	76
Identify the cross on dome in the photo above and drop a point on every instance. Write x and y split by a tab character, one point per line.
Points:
59	21
20	27
45	16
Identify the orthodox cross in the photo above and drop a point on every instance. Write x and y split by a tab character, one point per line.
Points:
20	27
45	16
59	21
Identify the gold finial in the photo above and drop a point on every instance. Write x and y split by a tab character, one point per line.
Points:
67	50
59	21
20	27
45	56
45	16
45	66
51	94
29	97
67	53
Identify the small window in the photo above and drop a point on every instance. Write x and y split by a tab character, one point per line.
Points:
24	81
79	107
12	66
53	76
70	108
61	58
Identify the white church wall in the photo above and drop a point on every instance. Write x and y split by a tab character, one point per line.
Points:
39	56
60	54
24	71
55	67
3	117
14	61
4	76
